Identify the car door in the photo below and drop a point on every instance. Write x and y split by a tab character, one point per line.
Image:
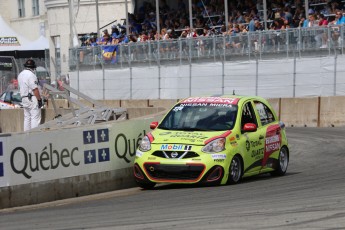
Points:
253	140
273	138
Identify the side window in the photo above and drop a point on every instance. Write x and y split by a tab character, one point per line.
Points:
266	115
21	9
248	115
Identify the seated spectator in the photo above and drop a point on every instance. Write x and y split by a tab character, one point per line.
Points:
339	20
106	39
87	48
114	31
322	37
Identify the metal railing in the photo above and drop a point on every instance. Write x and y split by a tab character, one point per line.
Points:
242	46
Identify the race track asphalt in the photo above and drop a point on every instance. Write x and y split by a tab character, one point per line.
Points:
310	196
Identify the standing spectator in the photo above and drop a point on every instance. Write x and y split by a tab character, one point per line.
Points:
31	98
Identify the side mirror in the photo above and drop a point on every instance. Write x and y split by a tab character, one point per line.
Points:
153	124
249	127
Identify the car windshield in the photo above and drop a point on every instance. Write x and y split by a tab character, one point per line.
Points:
205	117
11	96
16	97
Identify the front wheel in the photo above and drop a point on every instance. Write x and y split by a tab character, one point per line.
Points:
283	162
235	170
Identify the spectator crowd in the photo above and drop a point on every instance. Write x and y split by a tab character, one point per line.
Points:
208	20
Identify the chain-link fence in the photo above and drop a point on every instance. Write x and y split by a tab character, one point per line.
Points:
269	44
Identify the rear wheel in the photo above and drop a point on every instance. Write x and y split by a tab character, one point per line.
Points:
283	162
146	185
235	170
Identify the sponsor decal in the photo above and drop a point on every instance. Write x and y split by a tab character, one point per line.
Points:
201	104
178	108
138	153
233	143
218	156
189	135
171	147
164	133
151	158
218	100
257	153
176	147
255	144
272	142
247	145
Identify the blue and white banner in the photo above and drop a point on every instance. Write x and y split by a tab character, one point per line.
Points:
48	155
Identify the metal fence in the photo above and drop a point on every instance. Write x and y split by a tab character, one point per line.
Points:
242	46
8	75
288	63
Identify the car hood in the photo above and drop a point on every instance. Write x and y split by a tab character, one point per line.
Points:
5	105
184	137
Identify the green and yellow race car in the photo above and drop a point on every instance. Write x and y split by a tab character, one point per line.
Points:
213	140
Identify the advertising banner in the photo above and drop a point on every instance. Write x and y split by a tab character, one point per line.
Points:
48	155
9	41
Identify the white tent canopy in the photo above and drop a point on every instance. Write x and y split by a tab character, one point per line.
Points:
11	40
41	43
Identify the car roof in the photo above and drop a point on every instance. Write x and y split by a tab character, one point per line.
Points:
222	99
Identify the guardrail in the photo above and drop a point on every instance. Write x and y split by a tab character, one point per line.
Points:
250	46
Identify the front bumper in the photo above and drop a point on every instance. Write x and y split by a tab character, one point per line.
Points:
188	173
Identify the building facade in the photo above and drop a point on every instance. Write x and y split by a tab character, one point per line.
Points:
61	21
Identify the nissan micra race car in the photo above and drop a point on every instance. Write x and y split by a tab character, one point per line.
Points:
213	140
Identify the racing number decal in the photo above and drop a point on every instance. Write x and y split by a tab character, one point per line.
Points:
272	142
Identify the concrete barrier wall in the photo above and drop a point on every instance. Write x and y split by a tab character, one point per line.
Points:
332	111
298	112
40	192
69	162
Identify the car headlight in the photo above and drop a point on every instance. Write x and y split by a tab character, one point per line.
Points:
214	146
145	144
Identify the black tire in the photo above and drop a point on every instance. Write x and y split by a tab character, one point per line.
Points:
235	170
283	162
146	185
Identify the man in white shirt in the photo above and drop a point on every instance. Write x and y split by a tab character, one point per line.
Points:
31	98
